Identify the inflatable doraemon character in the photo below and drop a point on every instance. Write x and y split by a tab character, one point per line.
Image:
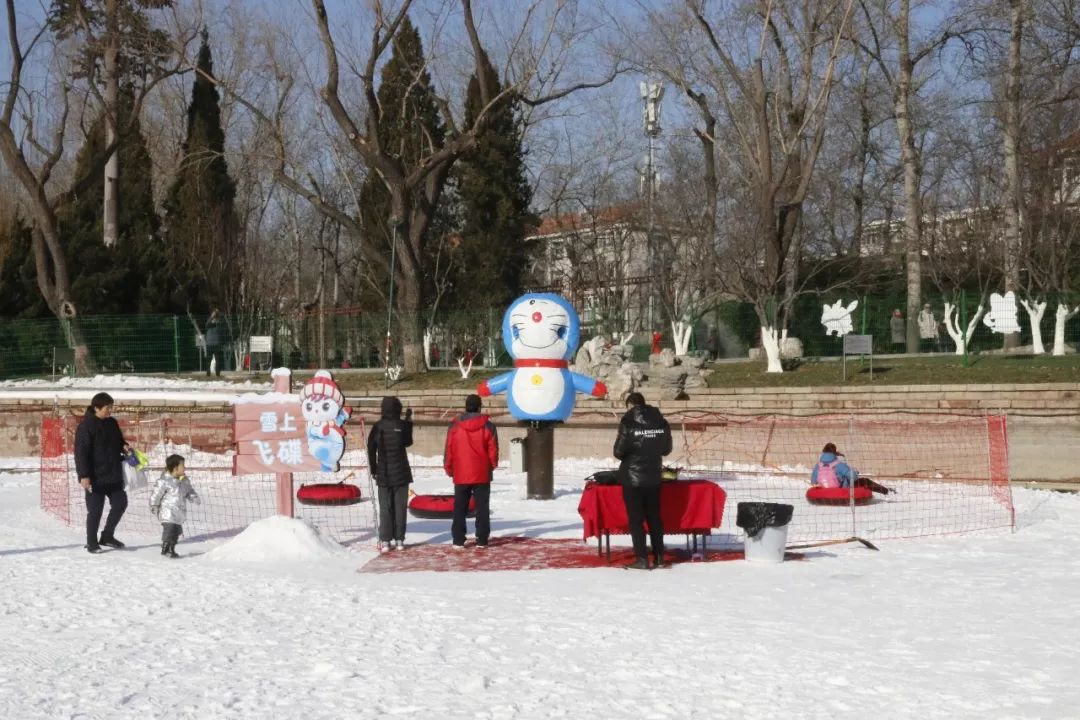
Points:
323	407
540	331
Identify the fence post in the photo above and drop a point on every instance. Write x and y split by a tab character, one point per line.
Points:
963	325
176	343
865	301
284	481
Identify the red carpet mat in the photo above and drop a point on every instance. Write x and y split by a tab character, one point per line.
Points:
523	553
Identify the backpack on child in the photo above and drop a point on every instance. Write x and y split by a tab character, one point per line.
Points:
826	475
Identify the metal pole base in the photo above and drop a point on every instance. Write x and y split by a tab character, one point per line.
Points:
540	461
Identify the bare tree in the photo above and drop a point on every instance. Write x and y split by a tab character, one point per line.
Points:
535	66
32	145
887	37
772	101
961	254
1050	252
1040	67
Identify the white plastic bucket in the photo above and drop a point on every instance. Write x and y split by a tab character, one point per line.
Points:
767	546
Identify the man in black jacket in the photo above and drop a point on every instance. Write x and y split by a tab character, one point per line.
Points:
389	465
99	457
644	439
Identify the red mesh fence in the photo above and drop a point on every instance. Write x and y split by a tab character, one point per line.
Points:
949	472
229	503
56	481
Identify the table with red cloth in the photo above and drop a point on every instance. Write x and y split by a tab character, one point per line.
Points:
687	507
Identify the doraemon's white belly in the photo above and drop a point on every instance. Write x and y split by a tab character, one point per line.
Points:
538	390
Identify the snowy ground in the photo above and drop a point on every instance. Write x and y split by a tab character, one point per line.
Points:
979	626
129	387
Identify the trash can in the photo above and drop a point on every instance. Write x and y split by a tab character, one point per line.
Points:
766	527
517	455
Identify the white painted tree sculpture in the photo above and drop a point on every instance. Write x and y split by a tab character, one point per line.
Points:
1035	310
837	319
681	332
1061	316
960	335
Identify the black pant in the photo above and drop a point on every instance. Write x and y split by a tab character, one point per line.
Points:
393	502
643	504
482	493
170	532
95	505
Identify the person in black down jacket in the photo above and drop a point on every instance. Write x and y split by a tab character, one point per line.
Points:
99	457
389	464
644	439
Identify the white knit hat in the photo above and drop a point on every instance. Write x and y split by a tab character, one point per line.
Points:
322	387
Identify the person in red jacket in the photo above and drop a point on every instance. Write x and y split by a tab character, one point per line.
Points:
472	452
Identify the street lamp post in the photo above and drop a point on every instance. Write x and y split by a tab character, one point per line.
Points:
652	93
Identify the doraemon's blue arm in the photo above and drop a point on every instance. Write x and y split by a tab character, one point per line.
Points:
588	385
495	385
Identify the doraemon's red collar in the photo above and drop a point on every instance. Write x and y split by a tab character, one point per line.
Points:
540	363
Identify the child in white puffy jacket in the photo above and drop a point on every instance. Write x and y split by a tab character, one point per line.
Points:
169	503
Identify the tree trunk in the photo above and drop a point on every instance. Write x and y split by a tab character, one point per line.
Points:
112	108
859	194
1035	310
681	333
960	336
770	341
52	280
410	304
912	177
1011	146
1061	317
322	324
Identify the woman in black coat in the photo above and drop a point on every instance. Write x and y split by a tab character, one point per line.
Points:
99	457
389	465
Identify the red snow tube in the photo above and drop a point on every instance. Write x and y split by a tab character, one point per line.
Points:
328	494
436	506
838	496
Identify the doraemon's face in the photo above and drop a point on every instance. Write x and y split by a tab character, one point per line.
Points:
540	326
319	411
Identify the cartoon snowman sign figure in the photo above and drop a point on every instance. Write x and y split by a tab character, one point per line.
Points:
540	331
322	404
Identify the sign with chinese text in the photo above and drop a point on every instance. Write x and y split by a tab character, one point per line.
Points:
271	438
261	344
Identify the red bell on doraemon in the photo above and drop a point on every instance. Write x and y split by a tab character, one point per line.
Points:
541	332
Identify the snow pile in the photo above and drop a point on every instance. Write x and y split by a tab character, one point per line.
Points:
134	382
278	538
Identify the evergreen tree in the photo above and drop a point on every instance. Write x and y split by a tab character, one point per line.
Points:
19	296
495	196
412	129
129	276
202	230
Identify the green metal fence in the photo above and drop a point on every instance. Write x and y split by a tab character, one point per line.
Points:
349	337
739	327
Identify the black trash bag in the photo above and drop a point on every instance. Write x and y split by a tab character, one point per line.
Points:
754	517
604	477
